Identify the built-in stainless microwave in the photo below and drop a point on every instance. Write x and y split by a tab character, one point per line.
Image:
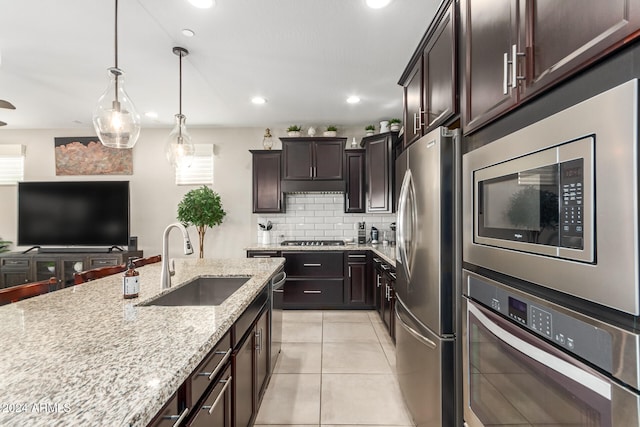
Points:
556	203
540	203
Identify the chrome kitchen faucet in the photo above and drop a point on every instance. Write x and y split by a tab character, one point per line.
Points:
165	276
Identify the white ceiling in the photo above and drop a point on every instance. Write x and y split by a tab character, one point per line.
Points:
305	56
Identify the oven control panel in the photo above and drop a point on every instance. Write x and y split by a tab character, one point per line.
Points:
543	319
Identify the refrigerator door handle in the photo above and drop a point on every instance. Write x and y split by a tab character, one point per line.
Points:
402	226
426	341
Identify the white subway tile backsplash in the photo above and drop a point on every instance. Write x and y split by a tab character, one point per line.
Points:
319	216
314	220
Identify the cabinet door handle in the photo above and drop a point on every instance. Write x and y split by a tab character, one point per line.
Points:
215	371
378	279
514	66
178	418
387	292
349	271
505	73
312	265
226	383
311	292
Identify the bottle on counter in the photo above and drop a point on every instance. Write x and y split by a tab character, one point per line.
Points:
130	281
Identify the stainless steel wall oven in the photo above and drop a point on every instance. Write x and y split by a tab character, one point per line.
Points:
556	203
530	362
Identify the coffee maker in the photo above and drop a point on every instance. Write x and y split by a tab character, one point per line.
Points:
374	235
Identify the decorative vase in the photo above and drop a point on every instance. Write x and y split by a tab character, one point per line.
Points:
384	126
368	133
293	133
395	127
330	133
311	131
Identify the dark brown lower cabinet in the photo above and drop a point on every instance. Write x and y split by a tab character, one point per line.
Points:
386	277
215	410
243	385
251	366
315	279
358	291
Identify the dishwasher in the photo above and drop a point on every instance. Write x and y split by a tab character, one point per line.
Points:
277	296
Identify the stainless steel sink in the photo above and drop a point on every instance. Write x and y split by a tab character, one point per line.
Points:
201	291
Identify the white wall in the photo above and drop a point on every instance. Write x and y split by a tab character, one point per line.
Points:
154	195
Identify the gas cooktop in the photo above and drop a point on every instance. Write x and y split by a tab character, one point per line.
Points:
313	243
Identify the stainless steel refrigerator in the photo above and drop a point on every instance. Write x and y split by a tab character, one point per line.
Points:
426	291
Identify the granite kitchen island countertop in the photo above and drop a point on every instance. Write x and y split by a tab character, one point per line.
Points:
85	356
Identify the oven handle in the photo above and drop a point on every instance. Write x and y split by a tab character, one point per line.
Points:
563	367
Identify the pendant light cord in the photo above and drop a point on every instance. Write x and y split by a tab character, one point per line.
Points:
116	33
116	54
180	87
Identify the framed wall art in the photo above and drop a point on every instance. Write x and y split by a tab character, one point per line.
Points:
87	156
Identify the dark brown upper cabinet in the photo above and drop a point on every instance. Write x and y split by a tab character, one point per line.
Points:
515	49
313	158
267	192
354	196
380	172
313	164
429	81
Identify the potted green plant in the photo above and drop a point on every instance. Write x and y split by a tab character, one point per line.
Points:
394	125
4	245
331	131
369	130
294	130
202	208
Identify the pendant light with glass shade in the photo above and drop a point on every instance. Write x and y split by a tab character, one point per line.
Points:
115	118
179	148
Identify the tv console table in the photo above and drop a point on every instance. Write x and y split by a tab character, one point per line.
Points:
17	268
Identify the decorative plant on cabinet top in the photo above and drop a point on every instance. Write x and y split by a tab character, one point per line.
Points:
202	208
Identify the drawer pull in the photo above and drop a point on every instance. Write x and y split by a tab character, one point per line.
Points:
262	256
178	418
312	292
357	256
312	265
211	375
386	267
226	383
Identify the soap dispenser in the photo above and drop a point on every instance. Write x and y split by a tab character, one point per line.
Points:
130	281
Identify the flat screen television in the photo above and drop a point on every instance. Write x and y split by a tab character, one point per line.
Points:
83	214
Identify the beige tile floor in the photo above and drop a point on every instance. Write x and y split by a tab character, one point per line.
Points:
336	368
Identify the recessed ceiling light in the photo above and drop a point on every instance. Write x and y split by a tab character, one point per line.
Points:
258	100
151	114
353	100
202	4
378	4
188	33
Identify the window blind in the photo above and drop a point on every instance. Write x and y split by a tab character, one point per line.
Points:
11	163
201	169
